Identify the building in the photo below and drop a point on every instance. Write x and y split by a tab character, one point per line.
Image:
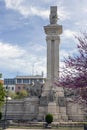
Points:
22	82
2	81
9	84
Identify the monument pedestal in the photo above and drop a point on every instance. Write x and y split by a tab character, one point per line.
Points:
59	113
42	111
52	109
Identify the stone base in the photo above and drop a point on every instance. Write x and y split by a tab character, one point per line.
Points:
52	109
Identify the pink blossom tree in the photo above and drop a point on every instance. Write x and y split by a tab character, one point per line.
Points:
74	73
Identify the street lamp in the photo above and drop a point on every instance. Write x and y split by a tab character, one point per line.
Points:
5	109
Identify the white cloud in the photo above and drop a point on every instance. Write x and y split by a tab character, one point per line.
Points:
12	3
15	59
65	54
69	34
63	13
26	9
38	48
8	51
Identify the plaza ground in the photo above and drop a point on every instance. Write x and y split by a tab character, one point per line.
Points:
66	128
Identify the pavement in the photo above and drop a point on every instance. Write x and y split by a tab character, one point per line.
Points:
70	128
25	129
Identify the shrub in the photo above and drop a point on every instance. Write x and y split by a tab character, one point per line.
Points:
49	118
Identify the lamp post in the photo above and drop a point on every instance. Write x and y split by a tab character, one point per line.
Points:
5	110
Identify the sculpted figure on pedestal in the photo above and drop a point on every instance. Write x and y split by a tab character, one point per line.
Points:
36	89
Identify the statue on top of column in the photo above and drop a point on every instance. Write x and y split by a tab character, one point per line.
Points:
53	15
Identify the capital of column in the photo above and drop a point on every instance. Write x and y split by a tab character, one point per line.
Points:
53	29
54	37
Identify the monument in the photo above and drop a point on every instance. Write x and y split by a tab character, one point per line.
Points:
48	98
51	92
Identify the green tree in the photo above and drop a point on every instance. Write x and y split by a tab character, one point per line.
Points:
11	94
2	94
21	94
49	118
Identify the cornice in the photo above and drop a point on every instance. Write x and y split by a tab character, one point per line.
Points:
54	29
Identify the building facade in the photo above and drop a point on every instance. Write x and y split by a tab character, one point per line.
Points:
22	82
9	84
2	81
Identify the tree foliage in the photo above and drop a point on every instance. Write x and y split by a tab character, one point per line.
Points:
74	73
21	94
49	118
2	94
11	94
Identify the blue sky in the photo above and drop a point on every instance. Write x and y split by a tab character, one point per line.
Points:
22	37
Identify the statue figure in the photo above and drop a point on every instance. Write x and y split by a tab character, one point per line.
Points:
36	89
53	15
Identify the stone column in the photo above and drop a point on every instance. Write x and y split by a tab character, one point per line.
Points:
52	32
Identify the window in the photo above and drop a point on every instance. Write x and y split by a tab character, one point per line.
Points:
26	81
9	81
12	88
6	87
24	87
18	87
19	81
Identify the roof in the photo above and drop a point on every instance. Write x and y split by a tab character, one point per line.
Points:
30	77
